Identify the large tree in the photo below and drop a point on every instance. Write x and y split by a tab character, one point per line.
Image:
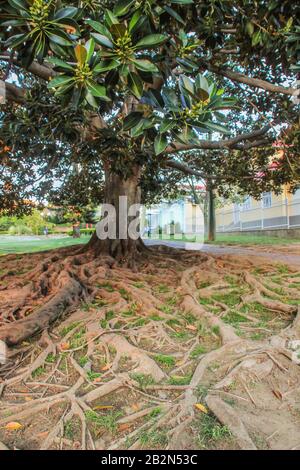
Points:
114	88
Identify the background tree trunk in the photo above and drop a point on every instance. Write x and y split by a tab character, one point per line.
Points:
211	235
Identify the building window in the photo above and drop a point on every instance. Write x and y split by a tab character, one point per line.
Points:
267	200
246	204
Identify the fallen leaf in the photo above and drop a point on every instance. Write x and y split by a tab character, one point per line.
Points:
106	367
191	327
277	394
135	407
124	426
13	426
103	407
42	435
64	346
97	379
201	407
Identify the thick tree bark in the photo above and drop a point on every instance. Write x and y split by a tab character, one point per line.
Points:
122	247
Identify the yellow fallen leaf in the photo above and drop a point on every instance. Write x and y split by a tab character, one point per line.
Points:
201	407
103	407
191	327
64	346
42	435
13	426
125	426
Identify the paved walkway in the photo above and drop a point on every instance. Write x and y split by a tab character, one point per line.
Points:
270	254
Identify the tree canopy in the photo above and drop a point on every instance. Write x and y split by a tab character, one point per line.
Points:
91	87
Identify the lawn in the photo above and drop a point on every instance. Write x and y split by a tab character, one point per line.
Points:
17	245
240	239
233	239
25	245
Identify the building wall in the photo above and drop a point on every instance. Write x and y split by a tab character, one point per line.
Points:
272	211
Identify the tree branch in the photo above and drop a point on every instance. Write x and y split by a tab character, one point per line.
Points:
14	93
185	169
253	82
234	143
41	71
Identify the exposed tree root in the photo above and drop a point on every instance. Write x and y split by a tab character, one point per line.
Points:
141	355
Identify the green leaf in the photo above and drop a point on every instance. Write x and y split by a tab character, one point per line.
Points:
132	120
187	84
16	40
91	100
135	84
122	7
187	65
250	28
102	40
160	143
153	98
97	90
166	125
170	99
106	65
136	21
59	81
110	18
60	39
152	40
81	54
216	127
90	48
60	63
100	28
68	12
18	4
183	2
256	38
118	30
174	14
145	65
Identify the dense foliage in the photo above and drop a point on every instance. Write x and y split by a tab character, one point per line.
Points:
102	86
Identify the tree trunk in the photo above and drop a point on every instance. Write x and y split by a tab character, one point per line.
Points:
211	236
120	246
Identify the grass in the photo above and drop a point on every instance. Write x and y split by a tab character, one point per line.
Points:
197	351
38	372
243	239
143	380
69	430
30	246
211	431
107	421
234	239
180	380
164	360
93	375
44	244
154	438
231	298
233	318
